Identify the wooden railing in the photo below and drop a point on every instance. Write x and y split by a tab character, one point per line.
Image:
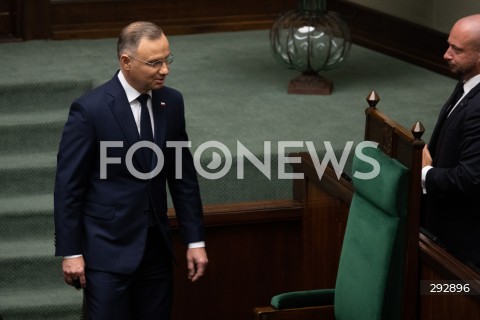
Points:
439	270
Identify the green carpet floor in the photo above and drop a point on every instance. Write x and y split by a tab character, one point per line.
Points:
234	91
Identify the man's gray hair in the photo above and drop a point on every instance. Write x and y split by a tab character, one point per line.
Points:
130	36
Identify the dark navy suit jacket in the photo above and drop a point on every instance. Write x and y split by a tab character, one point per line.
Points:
453	184
104	219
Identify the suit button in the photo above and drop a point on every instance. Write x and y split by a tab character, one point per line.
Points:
146	211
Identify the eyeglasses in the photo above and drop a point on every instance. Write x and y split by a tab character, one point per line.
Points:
156	64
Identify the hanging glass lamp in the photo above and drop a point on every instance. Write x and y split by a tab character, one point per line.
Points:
310	39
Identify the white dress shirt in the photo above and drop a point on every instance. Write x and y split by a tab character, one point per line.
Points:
132	95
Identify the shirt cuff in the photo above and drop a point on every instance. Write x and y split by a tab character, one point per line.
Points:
193	245
424	177
72	256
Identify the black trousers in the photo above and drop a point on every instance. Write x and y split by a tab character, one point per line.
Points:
144	295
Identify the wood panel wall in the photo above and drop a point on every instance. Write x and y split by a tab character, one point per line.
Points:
260	249
73	19
98	19
254	252
8	12
323	223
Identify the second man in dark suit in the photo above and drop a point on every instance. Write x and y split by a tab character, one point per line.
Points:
451	161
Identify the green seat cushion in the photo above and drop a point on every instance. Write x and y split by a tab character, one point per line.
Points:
303	299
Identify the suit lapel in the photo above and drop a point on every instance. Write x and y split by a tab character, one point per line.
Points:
445	121
437	129
122	112
462	105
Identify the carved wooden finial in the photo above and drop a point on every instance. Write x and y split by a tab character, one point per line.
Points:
373	99
418	130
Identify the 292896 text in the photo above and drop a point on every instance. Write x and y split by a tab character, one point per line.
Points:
446	287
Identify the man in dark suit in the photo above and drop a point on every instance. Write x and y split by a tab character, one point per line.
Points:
111	225
451	161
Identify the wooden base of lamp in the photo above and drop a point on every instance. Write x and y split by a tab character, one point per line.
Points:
310	83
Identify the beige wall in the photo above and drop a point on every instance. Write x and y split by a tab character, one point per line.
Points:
436	14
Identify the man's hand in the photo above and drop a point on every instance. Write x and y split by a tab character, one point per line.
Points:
426	157
196	263
74	271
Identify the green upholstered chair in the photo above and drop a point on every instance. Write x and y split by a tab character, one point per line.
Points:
369	283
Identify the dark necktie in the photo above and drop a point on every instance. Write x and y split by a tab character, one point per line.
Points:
456	95
146	132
